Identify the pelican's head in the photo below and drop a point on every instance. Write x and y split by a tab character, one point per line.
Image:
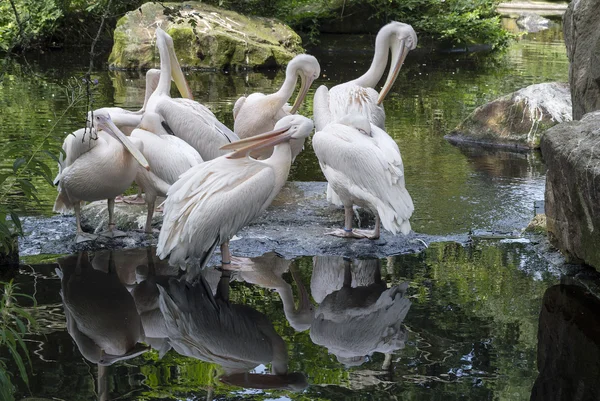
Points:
152	78
308	69
358	122
401	38
300	318
120	117
290	128
102	121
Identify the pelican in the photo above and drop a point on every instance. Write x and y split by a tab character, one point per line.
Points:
259	113
189	120
100	163
168	155
214	200
354	322
101	315
362	164
358	96
237	337
266	271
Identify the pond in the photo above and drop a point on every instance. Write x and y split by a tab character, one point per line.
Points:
456	321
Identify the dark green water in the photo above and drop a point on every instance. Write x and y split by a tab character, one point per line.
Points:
453	190
470	331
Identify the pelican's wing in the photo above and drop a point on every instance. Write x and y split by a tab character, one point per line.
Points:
238	106
75	144
367	171
197	125
190	154
321	112
210	203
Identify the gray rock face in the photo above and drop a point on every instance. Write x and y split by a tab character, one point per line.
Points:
517	119
582	38
531	22
568	355
573	188
204	37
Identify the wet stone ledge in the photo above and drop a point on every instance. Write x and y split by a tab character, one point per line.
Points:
294	225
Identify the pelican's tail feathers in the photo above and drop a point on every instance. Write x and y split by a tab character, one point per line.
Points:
205	256
395	217
62	204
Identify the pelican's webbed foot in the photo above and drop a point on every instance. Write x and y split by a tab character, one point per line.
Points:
340	232
113	233
85	237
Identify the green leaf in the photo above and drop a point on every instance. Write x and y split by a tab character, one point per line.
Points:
18	163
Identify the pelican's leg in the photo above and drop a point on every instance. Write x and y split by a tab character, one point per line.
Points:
371	234
347	231
148	228
111	232
223	286
81	236
225	256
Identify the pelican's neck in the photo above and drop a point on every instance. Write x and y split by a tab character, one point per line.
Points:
287	88
150	88
164	82
370	78
281	161
127	119
287	298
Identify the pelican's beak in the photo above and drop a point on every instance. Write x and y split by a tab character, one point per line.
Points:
262	141
108	359
112	129
399	56
177	74
305	84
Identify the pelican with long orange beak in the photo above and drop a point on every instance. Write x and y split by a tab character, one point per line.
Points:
214	200
100	163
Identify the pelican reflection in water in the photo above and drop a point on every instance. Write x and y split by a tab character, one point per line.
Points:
237	337
354	322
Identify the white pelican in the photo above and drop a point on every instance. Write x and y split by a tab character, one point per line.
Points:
259	113
189	120
101	316
237	337
168	155
362	164
266	271
99	164
358	96
354	322
214	200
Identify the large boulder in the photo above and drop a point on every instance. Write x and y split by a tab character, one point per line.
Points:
582	38
568	355
204	37
572	155
517	119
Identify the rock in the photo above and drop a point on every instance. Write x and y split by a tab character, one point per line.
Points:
568	355
517	119
204	37
531	22
582	38
294	225
537	225
572	198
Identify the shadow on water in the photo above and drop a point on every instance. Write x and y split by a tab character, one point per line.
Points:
451	320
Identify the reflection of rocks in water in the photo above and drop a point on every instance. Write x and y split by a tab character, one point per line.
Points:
568	346
210	328
354	322
101	315
266	271
502	163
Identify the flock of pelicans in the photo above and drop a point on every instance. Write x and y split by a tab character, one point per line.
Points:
217	181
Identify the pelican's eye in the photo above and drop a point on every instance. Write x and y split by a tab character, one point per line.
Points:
362	131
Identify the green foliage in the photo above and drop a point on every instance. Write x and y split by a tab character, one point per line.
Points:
35	20
14	325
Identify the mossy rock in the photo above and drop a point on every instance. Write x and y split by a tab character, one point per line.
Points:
518	119
205	37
